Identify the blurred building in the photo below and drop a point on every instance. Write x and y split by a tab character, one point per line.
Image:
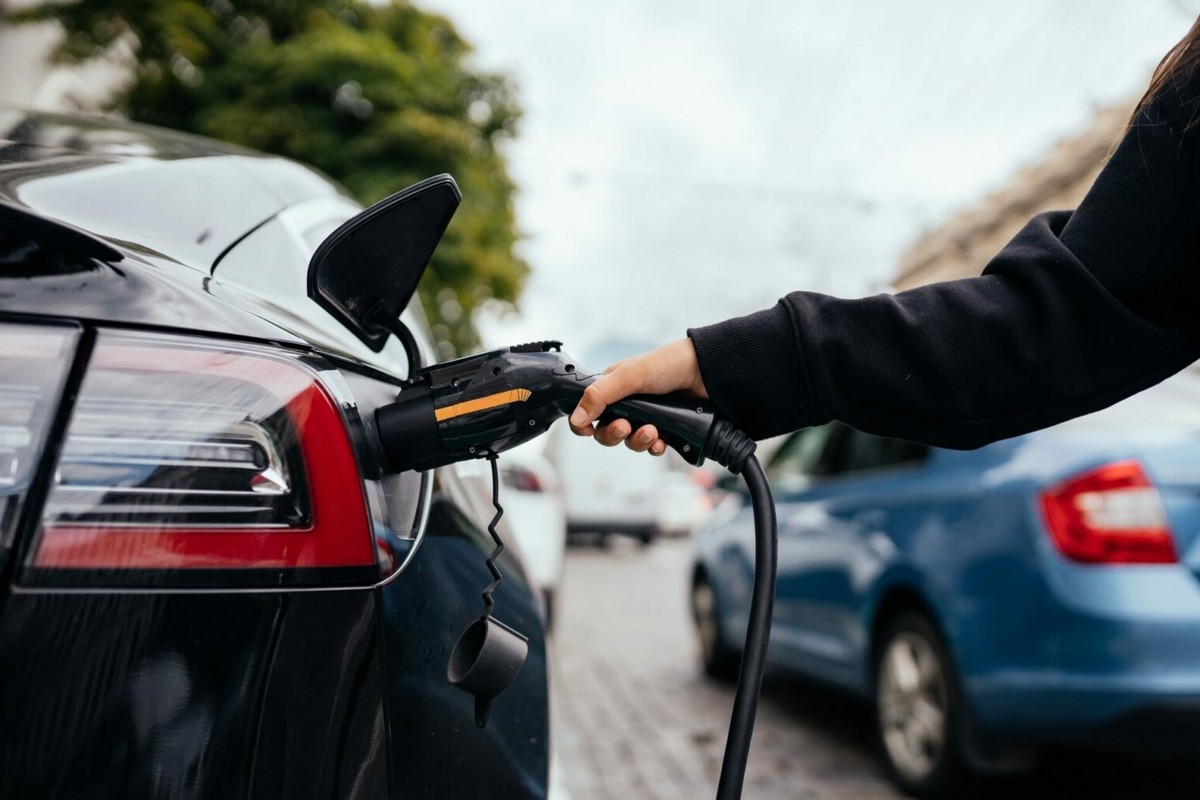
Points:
964	244
28	78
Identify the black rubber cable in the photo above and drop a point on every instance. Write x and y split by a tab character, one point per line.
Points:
758	633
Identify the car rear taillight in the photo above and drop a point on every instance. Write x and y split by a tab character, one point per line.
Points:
1110	515
520	478
203	458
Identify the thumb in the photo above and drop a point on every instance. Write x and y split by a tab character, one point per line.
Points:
605	390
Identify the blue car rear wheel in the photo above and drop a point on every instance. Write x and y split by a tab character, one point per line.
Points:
720	661
917	707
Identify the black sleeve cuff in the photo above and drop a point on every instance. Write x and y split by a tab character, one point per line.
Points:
754	372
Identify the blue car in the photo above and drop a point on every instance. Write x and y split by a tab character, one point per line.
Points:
1042	590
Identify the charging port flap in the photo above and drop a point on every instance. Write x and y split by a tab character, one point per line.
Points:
367	270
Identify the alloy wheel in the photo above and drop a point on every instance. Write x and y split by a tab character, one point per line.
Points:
720	661
704	608
913	703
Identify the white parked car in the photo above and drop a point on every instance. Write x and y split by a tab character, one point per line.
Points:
613	490
535	511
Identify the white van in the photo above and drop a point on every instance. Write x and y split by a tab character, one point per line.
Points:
614	490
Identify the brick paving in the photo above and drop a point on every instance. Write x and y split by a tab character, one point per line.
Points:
634	718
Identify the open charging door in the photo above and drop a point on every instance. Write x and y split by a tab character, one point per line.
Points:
366	272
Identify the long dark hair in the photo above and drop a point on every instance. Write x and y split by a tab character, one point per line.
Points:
1179	62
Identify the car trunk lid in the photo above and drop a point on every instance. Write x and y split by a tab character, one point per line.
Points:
1160	429
1176	473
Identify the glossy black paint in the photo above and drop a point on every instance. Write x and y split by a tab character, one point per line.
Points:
247	693
183	197
438	750
111	683
62	237
38	281
190	696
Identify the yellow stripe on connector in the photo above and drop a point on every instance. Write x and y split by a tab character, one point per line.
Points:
482	404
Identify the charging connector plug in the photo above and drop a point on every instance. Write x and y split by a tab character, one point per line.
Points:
488	403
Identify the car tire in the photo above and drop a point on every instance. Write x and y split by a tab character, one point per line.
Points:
918	708
720	661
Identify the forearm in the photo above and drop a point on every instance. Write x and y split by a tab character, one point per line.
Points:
1036	340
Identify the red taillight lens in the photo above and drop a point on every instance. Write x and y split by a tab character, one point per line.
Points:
1110	515
521	478
182	456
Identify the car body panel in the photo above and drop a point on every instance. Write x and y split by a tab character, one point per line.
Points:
241	230
184	197
437	749
136	292
212	688
286	683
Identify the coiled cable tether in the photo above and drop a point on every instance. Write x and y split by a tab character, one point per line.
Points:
490	562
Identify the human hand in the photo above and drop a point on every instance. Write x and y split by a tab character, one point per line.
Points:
671	368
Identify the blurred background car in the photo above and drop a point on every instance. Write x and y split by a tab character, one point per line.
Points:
685	498
208	577
536	511
625	493
1040	591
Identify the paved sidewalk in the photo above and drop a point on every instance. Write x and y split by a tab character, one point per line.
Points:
634	717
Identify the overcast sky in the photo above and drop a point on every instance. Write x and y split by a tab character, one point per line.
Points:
681	162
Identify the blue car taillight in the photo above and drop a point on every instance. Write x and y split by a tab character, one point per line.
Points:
1109	515
202	458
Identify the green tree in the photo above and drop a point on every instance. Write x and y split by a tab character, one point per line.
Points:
378	96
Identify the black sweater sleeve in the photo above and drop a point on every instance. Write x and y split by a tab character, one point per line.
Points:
1078	311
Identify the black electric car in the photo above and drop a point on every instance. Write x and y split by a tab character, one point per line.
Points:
210	584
